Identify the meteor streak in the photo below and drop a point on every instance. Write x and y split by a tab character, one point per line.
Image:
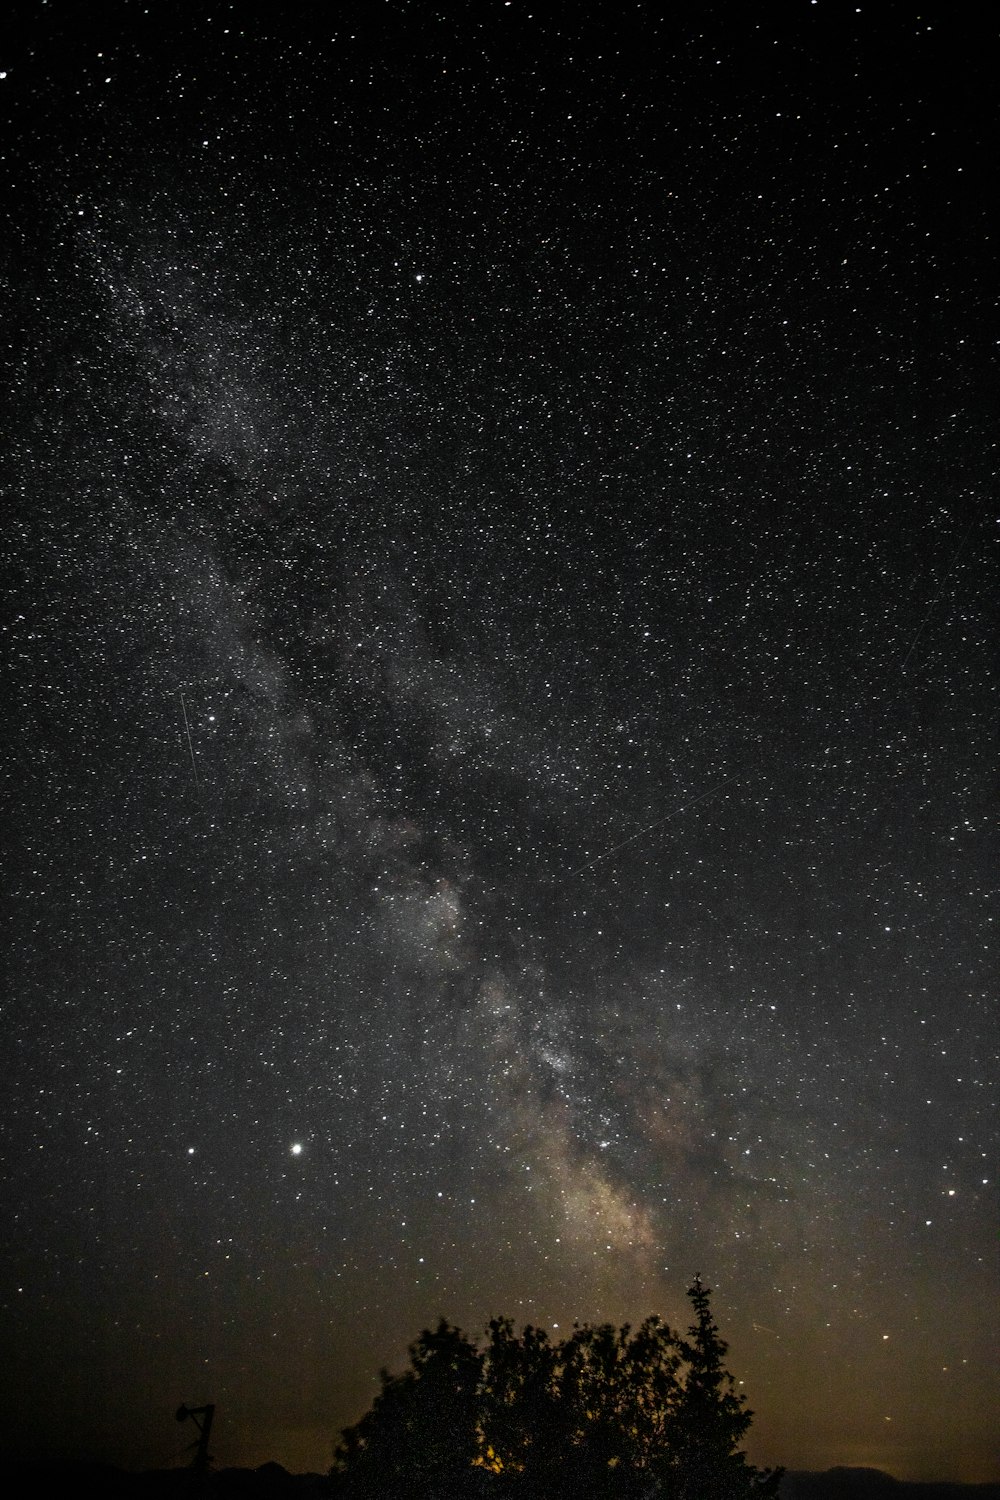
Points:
187	730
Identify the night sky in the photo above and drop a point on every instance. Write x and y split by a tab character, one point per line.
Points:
500	592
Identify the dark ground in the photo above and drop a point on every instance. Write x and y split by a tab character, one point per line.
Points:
271	1480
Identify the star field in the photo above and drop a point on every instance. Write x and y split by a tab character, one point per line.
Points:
499	761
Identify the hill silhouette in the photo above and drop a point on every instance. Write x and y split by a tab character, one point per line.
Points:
874	1484
270	1481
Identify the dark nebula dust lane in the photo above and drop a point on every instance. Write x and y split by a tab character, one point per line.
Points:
499	757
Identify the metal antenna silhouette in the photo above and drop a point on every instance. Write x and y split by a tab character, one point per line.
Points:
201	1459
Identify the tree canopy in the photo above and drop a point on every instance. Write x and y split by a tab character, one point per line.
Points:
604	1412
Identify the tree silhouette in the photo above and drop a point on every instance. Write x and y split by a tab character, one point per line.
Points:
711	1418
605	1412
586	1415
521	1417
421	1436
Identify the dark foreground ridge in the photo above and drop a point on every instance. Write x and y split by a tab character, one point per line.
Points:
270	1481
32	1481
874	1484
